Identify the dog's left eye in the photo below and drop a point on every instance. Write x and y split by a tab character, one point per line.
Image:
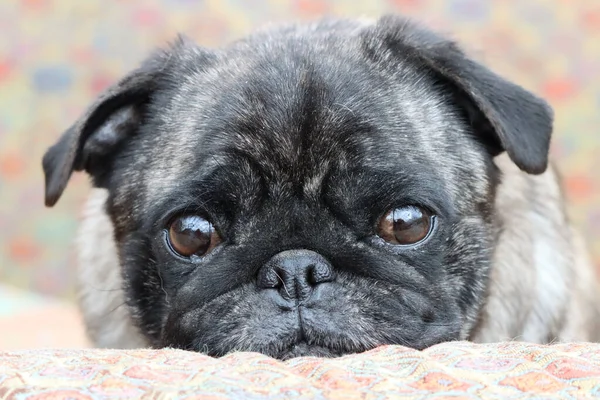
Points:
405	225
192	235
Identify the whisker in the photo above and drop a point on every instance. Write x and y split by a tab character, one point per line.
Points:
103	290
283	283
115	308
162	285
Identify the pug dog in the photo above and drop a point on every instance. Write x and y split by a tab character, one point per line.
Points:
322	189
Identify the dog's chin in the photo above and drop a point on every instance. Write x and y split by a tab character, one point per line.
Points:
331	349
302	345
297	346
303	349
310	340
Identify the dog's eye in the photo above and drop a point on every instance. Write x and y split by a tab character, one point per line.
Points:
192	235
405	225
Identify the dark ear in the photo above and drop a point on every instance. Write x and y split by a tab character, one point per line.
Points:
106	124
113	118
509	117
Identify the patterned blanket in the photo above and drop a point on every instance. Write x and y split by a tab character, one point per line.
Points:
458	370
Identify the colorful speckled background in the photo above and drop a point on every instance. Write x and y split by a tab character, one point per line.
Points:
55	56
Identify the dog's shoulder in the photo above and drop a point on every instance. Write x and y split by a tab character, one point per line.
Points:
100	288
541	275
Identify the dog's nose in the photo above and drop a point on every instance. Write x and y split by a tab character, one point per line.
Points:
295	273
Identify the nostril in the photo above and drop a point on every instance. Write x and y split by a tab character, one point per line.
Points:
310	275
319	273
270	278
280	277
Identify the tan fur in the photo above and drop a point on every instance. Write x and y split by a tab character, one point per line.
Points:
542	286
100	285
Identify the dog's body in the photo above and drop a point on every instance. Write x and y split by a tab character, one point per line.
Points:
293	144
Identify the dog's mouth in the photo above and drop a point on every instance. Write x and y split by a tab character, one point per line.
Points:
309	340
329	326
303	345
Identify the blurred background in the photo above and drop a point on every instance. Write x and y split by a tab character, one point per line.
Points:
57	55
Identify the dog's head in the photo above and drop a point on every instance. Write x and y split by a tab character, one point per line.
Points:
317	189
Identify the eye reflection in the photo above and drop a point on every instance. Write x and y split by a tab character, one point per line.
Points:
192	235
405	225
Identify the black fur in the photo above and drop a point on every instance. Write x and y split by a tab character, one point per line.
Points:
302	137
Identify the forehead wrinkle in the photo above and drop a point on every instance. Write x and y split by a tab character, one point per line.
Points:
282	135
441	133
428	119
413	109
202	91
173	155
170	176
185	120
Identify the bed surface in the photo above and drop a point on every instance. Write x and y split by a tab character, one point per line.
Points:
458	370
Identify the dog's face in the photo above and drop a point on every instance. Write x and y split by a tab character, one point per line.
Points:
315	190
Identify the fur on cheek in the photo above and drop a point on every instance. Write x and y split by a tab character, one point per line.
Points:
145	293
468	263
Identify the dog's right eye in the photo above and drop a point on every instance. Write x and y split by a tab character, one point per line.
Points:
192	235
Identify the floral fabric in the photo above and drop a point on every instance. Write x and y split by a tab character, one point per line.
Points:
458	370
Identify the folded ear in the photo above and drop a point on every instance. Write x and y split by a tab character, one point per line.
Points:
113	118
108	121
509	117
